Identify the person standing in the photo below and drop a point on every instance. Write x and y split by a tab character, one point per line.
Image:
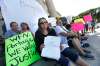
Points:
89	26
86	27
93	26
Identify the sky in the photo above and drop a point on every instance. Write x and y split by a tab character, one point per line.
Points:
74	7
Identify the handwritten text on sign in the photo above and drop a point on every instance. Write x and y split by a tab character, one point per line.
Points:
21	50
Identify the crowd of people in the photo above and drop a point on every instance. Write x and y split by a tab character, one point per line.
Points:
90	26
71	47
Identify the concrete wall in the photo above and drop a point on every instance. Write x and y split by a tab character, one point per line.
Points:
1	23
47	5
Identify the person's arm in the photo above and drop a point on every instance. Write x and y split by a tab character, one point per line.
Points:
41	47
61	31
71	34
39	43
7	35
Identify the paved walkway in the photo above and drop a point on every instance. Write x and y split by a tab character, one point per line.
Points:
94	41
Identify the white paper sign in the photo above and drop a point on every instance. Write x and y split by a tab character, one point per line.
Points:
52	20
52	47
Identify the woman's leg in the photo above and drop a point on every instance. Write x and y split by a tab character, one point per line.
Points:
77	45
81	62
93	29
74	57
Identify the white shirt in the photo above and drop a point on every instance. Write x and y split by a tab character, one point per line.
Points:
59	29
64	41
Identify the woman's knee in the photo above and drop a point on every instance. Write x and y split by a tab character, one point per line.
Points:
81	62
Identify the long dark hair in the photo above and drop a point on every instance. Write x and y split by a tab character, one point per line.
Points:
39	24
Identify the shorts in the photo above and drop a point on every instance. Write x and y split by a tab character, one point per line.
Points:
71	54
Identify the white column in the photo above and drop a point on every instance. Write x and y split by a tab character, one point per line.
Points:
49	7
44	6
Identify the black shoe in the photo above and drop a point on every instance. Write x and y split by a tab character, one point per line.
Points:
84	38
85	45
87	51
88	56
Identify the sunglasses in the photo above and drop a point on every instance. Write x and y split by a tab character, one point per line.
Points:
43	22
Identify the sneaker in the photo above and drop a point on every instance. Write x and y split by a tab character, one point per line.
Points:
85	45
84	38
88	56
87	51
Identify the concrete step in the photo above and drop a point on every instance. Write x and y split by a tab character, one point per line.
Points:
2	61
50	63
45	63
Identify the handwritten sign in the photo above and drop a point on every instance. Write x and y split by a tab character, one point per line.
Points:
88	18
52	20
76	27
20	50
79	20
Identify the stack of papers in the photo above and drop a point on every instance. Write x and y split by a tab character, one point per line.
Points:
52	47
